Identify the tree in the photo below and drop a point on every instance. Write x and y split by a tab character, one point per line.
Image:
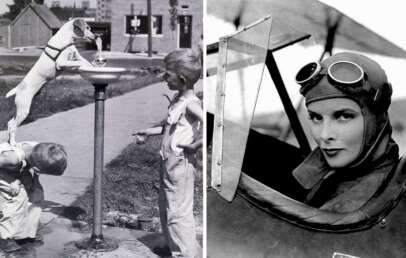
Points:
18	6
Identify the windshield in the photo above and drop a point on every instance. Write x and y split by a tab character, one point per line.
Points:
241	62
243	96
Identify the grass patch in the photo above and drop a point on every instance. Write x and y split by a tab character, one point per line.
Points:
131	183
64	94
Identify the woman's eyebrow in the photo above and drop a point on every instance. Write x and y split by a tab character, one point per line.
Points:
343	110
312	112
336	110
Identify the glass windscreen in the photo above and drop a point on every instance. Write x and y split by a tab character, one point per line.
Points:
246	103
241	62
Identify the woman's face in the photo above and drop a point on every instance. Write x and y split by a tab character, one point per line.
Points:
337	126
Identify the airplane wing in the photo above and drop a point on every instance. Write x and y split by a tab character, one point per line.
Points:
309	16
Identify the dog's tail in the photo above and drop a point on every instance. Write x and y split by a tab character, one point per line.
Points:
11	92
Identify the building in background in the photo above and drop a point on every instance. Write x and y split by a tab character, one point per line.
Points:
4	36
103	12
129	26
4	32
34	26
55	4
85	4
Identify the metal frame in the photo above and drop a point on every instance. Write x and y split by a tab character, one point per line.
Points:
218	130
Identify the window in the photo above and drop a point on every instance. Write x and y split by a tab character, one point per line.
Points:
139	24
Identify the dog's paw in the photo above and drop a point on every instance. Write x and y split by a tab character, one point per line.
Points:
12	92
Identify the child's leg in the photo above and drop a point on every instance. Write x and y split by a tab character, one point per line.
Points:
162	203
178	189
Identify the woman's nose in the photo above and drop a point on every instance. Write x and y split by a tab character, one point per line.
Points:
327	131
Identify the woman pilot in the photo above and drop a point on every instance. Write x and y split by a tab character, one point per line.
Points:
347	96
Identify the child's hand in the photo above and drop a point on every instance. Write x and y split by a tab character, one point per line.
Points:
188	148
140	139
141	136
141	132
15	188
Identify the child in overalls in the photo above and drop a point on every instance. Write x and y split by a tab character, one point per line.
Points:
21	193
179	144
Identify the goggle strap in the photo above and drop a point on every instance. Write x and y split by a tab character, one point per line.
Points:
376	94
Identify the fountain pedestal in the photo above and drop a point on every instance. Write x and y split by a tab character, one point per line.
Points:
100	77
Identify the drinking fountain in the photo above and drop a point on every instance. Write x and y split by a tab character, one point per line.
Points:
100	77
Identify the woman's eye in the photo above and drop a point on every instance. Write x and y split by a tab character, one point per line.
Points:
315	118
345	117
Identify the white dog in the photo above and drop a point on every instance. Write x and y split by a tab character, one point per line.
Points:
59	53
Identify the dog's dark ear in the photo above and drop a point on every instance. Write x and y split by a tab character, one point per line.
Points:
79	27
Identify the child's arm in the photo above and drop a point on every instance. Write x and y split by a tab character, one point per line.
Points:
141	135
9	160
12	189
33	186
150	131
195	110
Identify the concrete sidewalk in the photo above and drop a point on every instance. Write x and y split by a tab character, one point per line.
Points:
61	235
75	130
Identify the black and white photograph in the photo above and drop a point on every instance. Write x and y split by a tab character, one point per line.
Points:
202	128
101	119
305	122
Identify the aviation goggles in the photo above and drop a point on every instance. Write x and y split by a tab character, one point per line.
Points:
346	76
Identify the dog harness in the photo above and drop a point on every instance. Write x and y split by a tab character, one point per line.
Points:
59	51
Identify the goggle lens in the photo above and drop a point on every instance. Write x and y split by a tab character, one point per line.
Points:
346	73
307	72
341	73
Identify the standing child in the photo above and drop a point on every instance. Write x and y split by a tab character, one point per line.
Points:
179	144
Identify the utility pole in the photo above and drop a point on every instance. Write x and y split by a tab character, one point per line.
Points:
74	8
149	20
129	47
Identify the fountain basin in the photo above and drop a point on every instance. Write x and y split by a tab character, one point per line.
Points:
101	75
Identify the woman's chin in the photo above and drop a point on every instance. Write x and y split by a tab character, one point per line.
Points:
337	162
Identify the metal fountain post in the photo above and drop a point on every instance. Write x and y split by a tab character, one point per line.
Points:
100	77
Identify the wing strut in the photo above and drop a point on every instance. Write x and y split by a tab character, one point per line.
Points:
290	110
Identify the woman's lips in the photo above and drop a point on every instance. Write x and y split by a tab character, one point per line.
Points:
331	152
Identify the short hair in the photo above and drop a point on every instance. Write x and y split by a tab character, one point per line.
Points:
186	63
49	158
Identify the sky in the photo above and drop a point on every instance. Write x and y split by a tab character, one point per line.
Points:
4	8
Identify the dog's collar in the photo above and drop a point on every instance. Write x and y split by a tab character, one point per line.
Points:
59	51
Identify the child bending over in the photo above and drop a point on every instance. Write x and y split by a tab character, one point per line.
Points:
21	193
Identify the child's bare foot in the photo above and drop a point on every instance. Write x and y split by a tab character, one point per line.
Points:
32	241
9	245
